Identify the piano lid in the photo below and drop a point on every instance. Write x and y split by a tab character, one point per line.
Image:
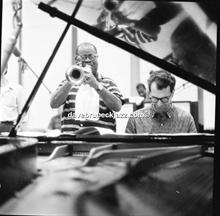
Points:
179	37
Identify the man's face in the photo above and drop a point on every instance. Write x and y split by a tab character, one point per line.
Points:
87	56
141	91
160	98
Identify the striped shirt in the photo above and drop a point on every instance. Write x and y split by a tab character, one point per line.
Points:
68	123
176	121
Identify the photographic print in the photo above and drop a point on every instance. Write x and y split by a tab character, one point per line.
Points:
108	107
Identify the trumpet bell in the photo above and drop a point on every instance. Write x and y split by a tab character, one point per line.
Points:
75	74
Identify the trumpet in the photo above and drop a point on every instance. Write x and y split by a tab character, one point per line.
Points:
76	74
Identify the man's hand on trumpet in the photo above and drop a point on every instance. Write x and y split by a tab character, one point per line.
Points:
91	80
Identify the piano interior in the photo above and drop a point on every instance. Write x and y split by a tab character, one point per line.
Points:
120	174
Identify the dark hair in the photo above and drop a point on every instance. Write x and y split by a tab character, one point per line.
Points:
85	44
162	79
140	85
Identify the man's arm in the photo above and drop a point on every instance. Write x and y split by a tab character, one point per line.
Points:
60	95
20	98
110	100
20	105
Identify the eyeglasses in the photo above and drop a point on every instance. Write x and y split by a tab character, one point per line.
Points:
156	99
91	57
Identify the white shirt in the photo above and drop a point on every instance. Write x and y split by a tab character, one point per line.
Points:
87	103
11	101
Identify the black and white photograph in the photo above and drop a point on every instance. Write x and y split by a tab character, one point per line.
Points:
109	108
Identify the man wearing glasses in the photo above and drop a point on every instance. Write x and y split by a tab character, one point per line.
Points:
162	116
92	102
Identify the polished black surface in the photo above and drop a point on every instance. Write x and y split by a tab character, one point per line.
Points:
66	187
18	164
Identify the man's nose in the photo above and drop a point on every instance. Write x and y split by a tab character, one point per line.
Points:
159	103
87	58
84	63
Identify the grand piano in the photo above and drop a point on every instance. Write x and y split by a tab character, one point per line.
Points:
86	173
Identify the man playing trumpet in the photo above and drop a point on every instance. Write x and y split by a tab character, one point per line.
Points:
89	101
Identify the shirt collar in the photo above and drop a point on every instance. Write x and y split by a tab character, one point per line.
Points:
169	113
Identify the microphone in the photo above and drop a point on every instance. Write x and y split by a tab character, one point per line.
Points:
17	52
23	63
